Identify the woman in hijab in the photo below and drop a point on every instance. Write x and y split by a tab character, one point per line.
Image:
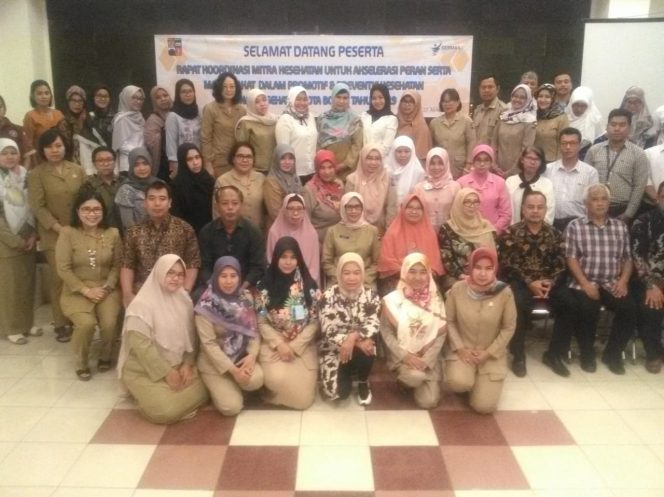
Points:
373	182
532	166
481	319
130	197
404	167
258	128
101	113
438	188
465	231
282	180
412	123
192	188
409	232
643	131
183	122
349	321
413	328
584	115
128	125
155	132
42	117
515	129
77	129
352	234
379	124
157	362
18	239
297	127
496	204
293	221
322	195
340	131
550	121
226	322
287	305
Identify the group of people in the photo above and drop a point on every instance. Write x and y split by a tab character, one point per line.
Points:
242	250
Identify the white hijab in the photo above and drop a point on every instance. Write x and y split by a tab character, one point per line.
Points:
588	122
404	177
14	194
168	316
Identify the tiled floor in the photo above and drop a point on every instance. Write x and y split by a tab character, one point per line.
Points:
595	435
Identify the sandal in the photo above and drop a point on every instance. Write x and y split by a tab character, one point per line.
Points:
103	366
62	335
35	331
84	374
17	339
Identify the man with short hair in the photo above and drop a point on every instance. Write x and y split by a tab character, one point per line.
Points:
485	115
105	182
621	165
158	235
647	237
600	265
531	79
231	234
532	255
570	177
562	81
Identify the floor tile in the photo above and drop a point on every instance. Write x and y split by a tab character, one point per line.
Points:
630	395
494	493
54	367
334	468
637	493
128	426
35	392
349	404
259	468
627	466
588	492
146	492
387	396
38	464
522	395
572	395
414	493
35	347
659	450
539	373
348	428
194	467
111	466
400	428
267	428
254	493
466	428
314	493
597	427
93	492
400	469
564	467
532	428
64	424
493	467
648	424
16	422
206	428
7	383
95	393
6	448
24	491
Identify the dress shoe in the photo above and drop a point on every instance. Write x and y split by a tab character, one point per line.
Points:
555	364
615	365
519	367
566	358
654	366
589	364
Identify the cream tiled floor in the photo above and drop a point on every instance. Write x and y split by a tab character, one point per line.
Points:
613	445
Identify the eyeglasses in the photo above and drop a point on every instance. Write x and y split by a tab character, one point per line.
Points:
353	207
532	158
471	203
102	97
244	156
91	210
175	274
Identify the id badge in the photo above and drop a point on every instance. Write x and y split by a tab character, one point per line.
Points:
298	313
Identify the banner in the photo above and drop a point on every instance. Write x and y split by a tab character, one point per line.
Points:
426	64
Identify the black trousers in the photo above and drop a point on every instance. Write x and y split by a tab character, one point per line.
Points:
359	363
649	322
577	314
525	302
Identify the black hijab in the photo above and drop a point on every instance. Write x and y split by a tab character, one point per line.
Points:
386	110
192	193
185	111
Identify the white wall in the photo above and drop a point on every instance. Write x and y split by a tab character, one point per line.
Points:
25	54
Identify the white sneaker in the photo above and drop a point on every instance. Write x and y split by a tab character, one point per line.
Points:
363	393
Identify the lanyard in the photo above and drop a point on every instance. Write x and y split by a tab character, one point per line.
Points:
612	163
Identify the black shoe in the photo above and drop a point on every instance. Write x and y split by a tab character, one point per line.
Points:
84	374
363	393
519	367
615	365
62	334
588	364
566	358
103	366
556	364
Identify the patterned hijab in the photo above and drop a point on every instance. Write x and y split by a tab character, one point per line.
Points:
337	126
14	193
553	110
326	192
524	114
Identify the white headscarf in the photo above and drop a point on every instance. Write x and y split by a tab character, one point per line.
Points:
588	122
168	316
14	194
268	119
344	215
658	117
404	177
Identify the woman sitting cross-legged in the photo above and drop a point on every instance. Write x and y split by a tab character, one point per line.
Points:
349	317
226	323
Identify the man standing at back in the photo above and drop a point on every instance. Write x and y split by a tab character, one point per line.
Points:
485	116
562	81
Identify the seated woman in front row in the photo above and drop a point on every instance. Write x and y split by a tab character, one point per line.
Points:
413	329
349	323
481	319
288	322
158	354
226	323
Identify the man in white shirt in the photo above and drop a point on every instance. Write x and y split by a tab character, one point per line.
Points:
656	176
570	177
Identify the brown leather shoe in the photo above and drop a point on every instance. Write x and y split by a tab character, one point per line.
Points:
654	366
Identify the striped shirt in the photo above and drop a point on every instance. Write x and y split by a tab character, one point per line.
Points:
625	172
599	250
